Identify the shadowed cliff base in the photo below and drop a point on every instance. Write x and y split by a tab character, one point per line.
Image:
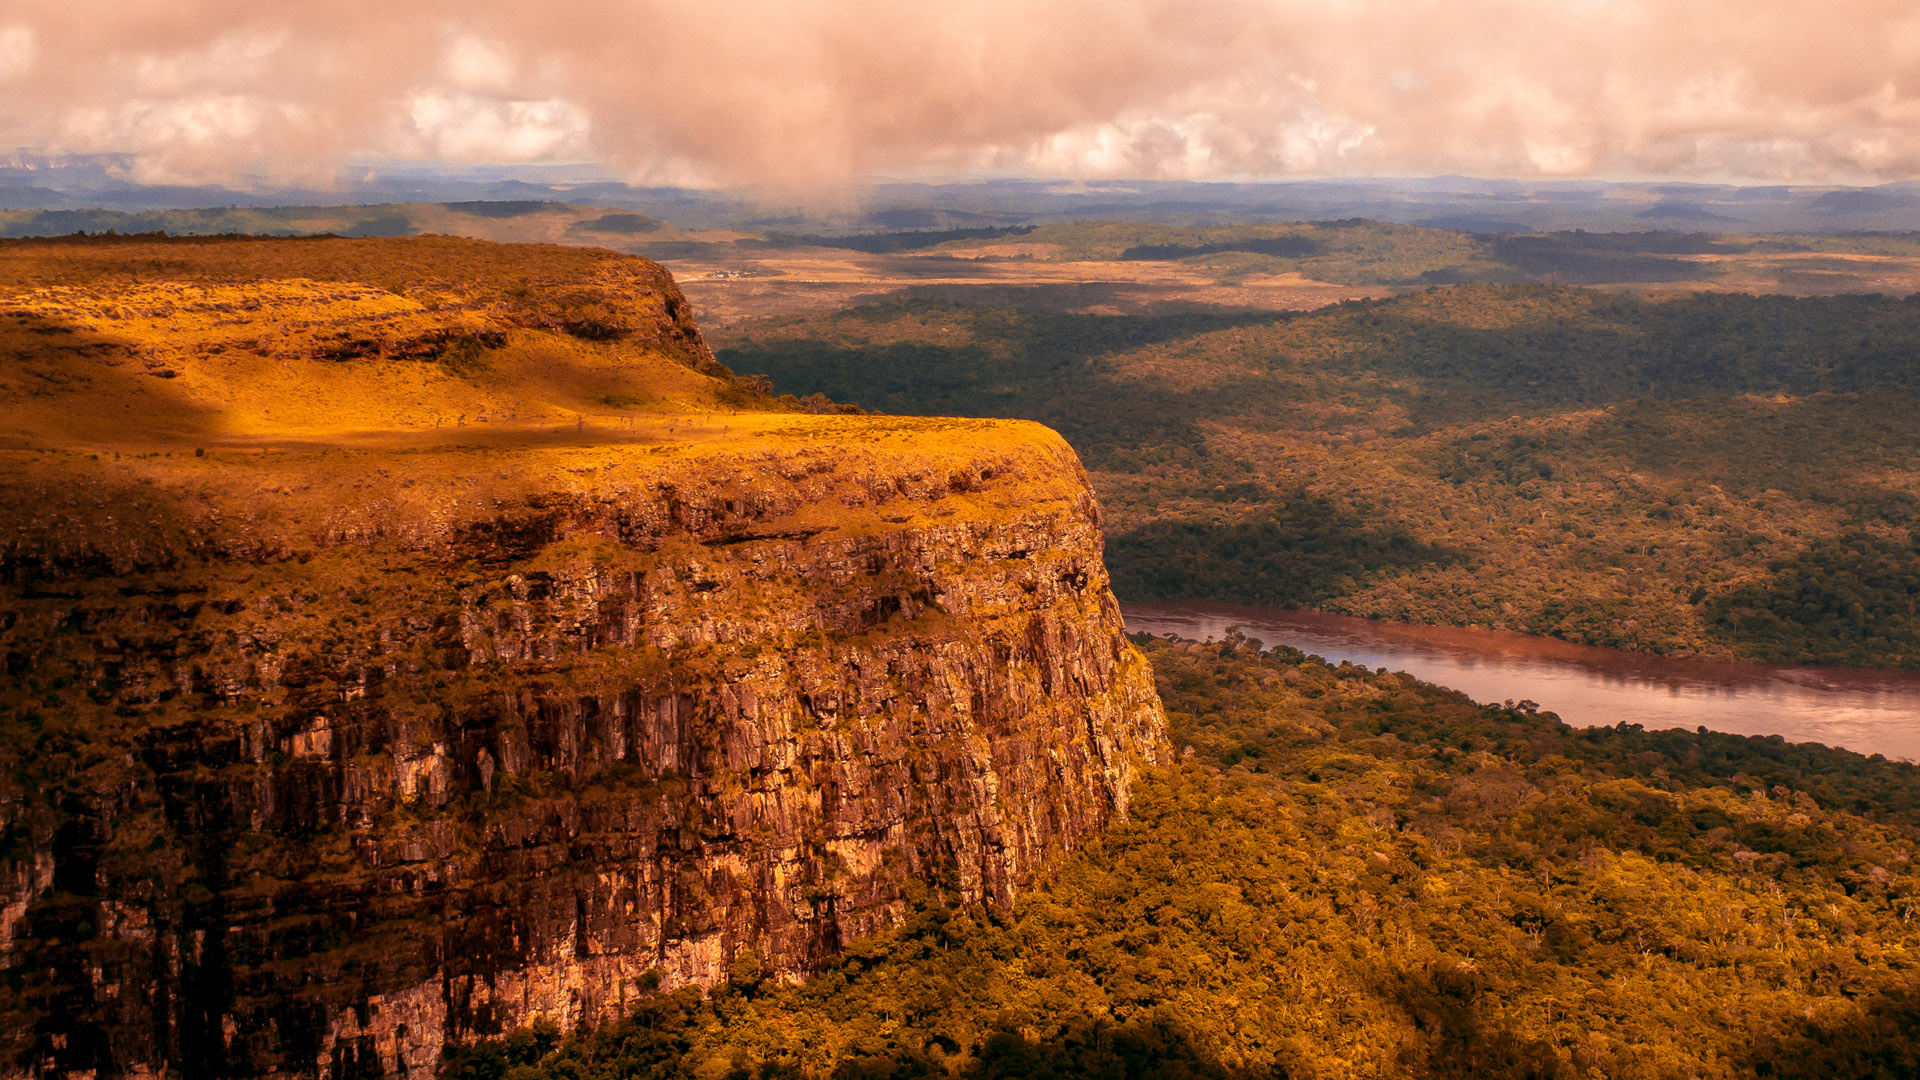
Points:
656	1039
1871	1040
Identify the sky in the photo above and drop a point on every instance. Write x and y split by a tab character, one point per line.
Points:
808	94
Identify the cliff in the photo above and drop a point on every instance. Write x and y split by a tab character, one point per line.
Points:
409	640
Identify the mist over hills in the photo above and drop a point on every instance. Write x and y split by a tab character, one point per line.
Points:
1456	202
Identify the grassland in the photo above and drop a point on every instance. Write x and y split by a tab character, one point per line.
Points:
1111	268
1380	254
162	395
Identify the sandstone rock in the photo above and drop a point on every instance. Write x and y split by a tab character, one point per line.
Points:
313	782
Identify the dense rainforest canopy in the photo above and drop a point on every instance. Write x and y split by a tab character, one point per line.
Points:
1351	873
1701	474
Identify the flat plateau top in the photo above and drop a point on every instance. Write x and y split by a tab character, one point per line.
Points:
305	377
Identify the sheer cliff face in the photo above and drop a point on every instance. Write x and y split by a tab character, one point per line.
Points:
321	755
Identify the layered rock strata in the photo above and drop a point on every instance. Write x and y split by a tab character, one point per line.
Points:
315	781
409	640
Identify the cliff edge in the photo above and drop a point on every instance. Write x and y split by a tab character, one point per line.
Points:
409	640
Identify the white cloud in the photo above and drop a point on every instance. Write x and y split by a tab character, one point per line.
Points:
466	127
17	52
475	65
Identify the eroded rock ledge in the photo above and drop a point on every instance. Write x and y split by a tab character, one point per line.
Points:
321	758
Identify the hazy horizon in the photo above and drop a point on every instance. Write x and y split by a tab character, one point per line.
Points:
51	191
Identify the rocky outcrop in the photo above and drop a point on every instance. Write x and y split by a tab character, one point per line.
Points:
317	761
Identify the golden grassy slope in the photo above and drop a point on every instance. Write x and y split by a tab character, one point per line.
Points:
163	395
214	340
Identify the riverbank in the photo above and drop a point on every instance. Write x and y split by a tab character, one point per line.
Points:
1865	710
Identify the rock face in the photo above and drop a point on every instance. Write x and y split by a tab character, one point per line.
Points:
321	757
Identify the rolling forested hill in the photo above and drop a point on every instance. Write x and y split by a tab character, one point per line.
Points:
1704	474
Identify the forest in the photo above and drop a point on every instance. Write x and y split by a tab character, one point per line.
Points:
1704	474
1356	251
1349	873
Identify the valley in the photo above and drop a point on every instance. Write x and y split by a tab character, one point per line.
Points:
1864	710
1353	873
1130	540
735	271
432	655
1690	475
1676	455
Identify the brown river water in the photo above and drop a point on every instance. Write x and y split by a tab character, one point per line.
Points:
1872	712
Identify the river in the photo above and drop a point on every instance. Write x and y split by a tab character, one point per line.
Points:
1872	712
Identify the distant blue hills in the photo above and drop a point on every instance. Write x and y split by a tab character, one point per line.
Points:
1466	203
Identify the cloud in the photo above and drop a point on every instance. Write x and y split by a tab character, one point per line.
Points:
808	93
471	128
16	52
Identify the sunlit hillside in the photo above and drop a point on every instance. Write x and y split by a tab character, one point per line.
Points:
157	389
1693	474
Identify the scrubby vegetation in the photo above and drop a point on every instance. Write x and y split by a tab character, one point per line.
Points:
1349	252
886	243
1851	599
1711	474
230	338
1301	551
1354	874
1360	252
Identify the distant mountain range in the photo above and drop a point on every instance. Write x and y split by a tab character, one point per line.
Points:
1472	204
